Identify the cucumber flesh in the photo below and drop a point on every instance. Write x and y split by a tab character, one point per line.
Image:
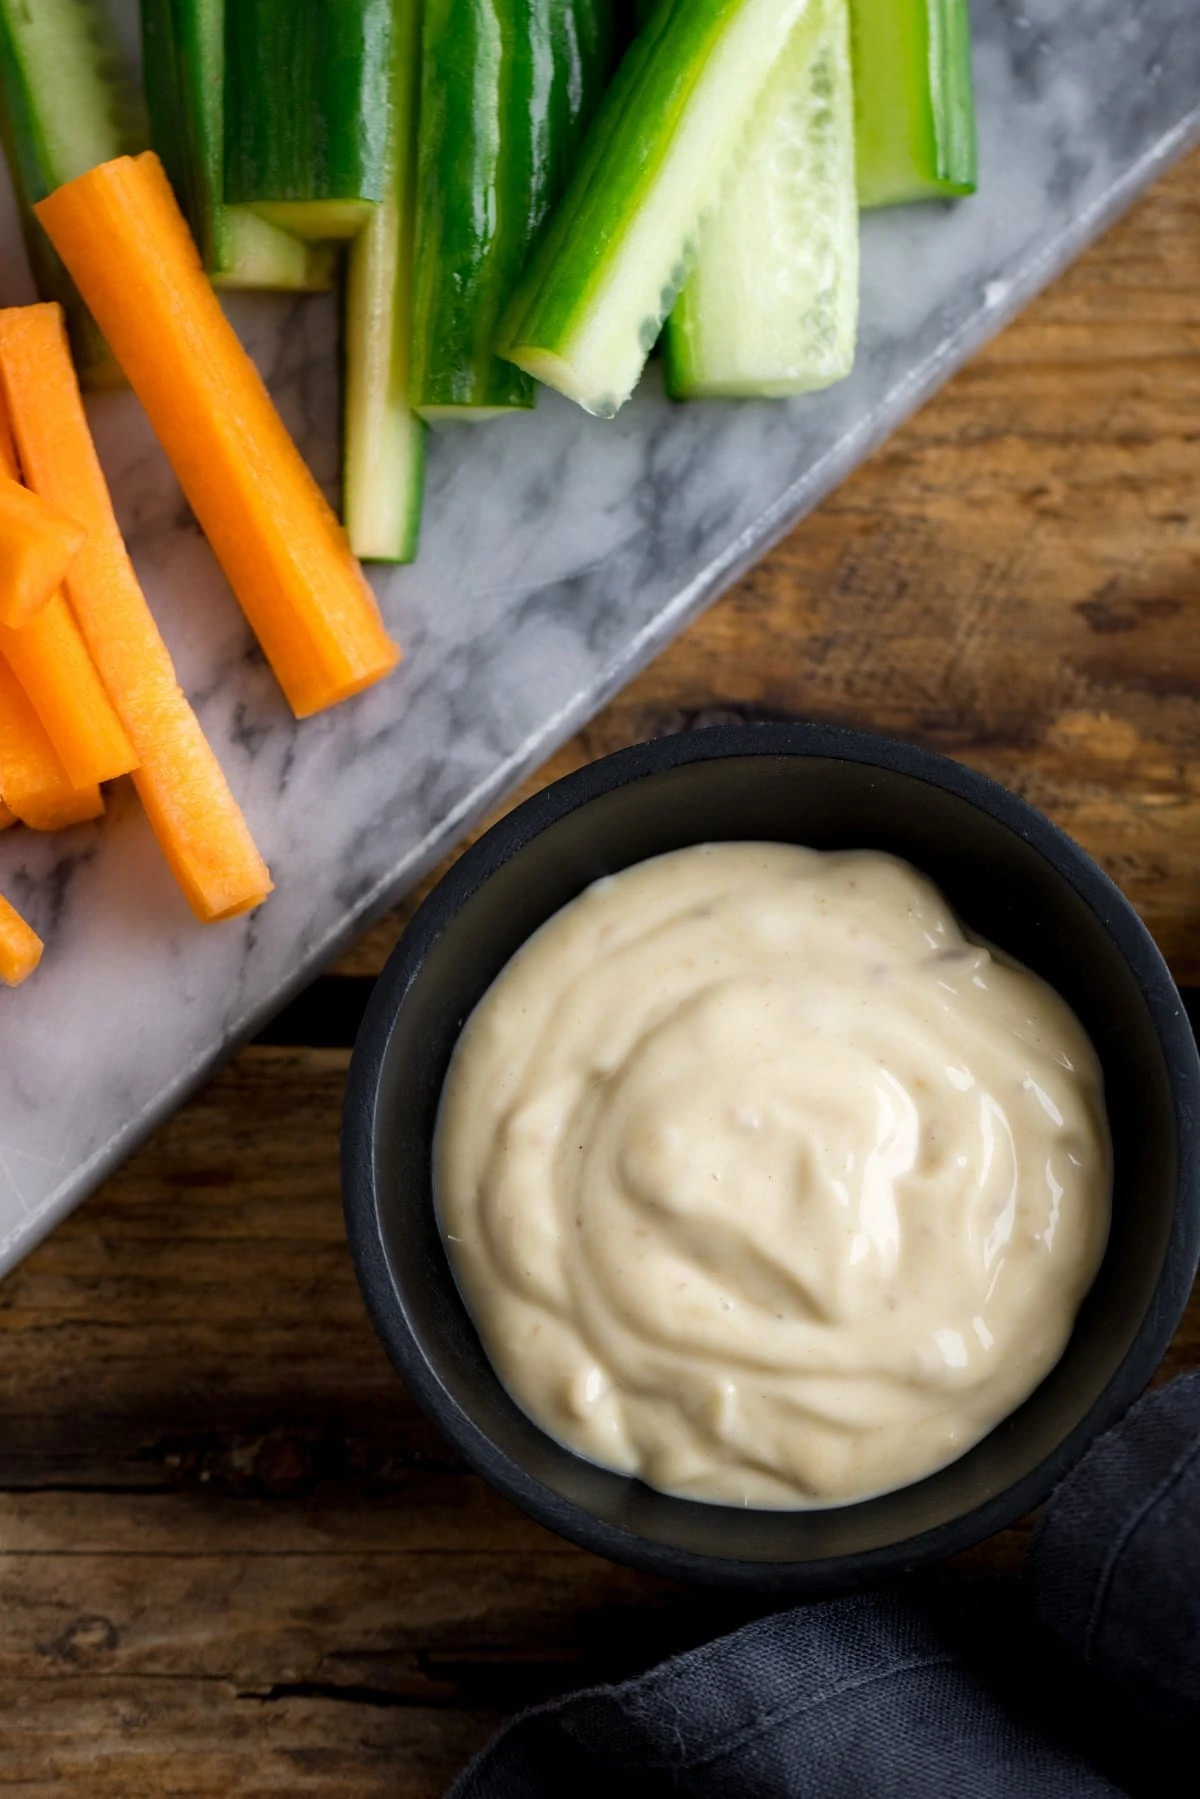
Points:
306	111
771	307
384	468
609	268
183	58
465	415
250	254
914	100
67	102
507	89
319	221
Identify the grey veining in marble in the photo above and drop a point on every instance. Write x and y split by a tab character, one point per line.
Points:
559	554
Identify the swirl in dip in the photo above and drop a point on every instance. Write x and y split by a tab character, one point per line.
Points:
764	1182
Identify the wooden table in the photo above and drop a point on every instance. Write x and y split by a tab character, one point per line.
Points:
235	1560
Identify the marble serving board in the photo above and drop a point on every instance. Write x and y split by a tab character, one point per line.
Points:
559	554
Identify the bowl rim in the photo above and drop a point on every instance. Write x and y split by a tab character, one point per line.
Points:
505	840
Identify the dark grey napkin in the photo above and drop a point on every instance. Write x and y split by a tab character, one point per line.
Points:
1079	1682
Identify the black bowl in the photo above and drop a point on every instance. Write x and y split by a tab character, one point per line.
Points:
1013	878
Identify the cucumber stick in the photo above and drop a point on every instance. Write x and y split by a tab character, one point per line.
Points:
771	307
67	102
618	250
183	56
915	103
306	111
384	472
507	89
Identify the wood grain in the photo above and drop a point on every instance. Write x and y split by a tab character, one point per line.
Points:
234	1559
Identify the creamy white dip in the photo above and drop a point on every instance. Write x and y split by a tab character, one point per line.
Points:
762	1181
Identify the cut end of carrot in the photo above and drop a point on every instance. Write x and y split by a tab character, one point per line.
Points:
78	807
20	946
219	869
209	911
32	778
322	698
240	907
51	661
38	544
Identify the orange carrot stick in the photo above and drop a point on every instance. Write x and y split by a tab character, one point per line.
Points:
196	819
20	946
33	780
37	546
51	661
124	239
53	665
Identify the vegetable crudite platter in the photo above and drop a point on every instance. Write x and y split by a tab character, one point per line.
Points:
448	244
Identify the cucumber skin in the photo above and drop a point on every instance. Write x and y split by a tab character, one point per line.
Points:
383	477
916	133
183	58
630	137
529	310
176	38
713	323
306	100
508	87
35	171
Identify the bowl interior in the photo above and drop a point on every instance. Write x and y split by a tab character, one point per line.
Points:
1005	887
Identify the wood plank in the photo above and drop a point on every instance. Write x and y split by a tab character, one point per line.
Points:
140	1738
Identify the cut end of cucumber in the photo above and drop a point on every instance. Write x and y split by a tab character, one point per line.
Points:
556	372
877	189
400	552
250	254
389	530
471	415
465	388
389	534
317	221
316	278
751	386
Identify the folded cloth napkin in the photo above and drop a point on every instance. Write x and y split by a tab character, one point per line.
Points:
1079	1682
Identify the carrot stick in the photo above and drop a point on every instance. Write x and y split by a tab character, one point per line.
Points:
32	779
53	665
37	546
51	661
20	946
124	239
195	817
